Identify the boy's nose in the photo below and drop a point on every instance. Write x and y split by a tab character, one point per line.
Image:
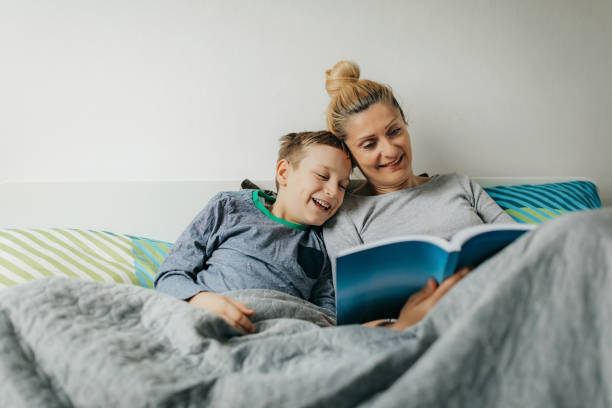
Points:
331	189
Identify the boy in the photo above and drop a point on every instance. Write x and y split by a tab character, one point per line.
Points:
246	239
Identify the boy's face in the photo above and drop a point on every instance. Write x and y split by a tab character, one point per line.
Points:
311	193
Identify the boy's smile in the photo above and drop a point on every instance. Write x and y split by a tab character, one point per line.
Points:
311	192
324	205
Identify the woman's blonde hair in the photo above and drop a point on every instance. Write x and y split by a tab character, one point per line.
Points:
351	95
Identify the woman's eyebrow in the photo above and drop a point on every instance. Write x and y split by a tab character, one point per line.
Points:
363	138
390	123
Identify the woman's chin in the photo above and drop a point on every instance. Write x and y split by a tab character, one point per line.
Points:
388	178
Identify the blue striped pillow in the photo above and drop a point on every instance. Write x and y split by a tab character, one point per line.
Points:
148	257
536	203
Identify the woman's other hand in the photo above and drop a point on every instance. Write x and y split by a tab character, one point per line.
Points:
233	312
420	303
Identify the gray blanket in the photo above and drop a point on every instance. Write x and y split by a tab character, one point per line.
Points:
531	327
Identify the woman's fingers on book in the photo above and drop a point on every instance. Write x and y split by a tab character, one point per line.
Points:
464	271
430	287
425	292
420	303
448	283
417	306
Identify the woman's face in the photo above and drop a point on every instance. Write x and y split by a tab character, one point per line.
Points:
379	141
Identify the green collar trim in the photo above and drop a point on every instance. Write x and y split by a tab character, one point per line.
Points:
261	207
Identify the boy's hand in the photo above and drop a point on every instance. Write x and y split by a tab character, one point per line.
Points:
232	311
420	303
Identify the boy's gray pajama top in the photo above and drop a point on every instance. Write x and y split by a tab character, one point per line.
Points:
236	243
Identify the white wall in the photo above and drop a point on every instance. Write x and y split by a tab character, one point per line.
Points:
203	89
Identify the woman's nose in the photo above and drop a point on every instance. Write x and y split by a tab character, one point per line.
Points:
386	148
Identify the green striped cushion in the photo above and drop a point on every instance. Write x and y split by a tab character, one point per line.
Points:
536	203
27	254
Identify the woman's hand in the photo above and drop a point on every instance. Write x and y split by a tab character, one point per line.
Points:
420	303
233	312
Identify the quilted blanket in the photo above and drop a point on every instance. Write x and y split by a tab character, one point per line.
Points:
531	327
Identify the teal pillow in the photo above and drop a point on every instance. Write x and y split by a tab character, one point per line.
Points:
535	203
27	254
148	257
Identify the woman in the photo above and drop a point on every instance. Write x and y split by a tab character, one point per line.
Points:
529	327
366	116
394	201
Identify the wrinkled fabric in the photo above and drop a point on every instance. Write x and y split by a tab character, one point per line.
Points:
531	327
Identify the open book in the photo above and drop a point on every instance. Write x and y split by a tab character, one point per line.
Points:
373	281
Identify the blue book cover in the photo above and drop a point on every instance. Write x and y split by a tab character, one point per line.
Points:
373	281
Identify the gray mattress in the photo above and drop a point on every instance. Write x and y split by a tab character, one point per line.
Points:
531	327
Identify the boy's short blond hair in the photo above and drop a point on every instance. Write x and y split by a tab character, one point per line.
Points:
293	145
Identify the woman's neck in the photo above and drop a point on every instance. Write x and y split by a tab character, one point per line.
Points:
372	189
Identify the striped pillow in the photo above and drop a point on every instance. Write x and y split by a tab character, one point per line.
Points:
27	254
533	204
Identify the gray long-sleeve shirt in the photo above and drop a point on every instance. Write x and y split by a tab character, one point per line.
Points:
236	243
443	206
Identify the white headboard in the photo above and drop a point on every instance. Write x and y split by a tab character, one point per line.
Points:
152	209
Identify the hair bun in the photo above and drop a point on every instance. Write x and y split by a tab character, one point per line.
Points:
342	74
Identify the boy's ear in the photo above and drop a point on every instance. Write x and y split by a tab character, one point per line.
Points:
283	168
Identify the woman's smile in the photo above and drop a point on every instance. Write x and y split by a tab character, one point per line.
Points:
393	164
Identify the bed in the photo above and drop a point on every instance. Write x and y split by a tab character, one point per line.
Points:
80	325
